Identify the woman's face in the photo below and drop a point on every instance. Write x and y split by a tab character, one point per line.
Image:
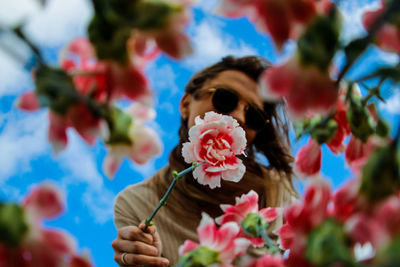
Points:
237	81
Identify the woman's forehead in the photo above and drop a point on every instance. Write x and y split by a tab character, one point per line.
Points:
238	81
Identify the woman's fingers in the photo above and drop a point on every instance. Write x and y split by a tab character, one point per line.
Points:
133	233
135	259
135	247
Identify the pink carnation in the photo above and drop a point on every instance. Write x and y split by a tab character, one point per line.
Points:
268	261
44	201
224	240
170	37
145	141
283	19
245	205
216	140
103	80
301	218
308	160
388	35
305	88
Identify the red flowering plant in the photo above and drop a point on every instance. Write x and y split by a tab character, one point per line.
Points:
95	73
25	242
355	225
358	225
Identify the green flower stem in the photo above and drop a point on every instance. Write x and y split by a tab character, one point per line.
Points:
163	201
272	248
18	32
362	44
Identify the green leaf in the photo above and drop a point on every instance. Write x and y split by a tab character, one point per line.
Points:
361	123
109	40
380	176
392	73
355	48
200	257
254	225
323	130
55	89
300	127
327	244
390	256
120	124
13	226
382	128
319	43
143	15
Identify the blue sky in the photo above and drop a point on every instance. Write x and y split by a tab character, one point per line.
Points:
25	154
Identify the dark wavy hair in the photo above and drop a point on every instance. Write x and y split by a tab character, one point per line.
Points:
272	141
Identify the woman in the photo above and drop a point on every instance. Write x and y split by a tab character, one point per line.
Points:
228	87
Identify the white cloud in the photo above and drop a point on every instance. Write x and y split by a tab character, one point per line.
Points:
146	170
78	162
206	5
352	14
13	13
167	82
13	55
59	22
392	105
23	138
210	44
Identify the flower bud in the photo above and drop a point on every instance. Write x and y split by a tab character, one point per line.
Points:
380	176
327	245
13	226
254	224
55	89
361	123
323	130
200	257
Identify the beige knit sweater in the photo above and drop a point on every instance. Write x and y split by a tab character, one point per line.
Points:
136	203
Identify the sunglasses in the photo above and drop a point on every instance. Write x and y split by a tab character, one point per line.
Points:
225	101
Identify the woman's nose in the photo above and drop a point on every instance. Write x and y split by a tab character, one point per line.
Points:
239	114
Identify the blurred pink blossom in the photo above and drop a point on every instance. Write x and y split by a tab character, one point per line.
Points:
145	141
103	80
308	159
301	218
44	201
170	38
306	89
41	246
224	240
268	261
216	140
283	19
388	35
245	205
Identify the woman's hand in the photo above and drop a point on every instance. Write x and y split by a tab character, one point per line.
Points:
133	247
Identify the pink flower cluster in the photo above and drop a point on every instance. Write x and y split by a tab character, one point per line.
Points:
223	240
245	205
283	19
145	141
362	222
43	247
101	81
230	240
308	159
170	38
216	140
306	89
388	35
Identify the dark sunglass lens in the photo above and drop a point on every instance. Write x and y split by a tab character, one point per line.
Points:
255	118
224	101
